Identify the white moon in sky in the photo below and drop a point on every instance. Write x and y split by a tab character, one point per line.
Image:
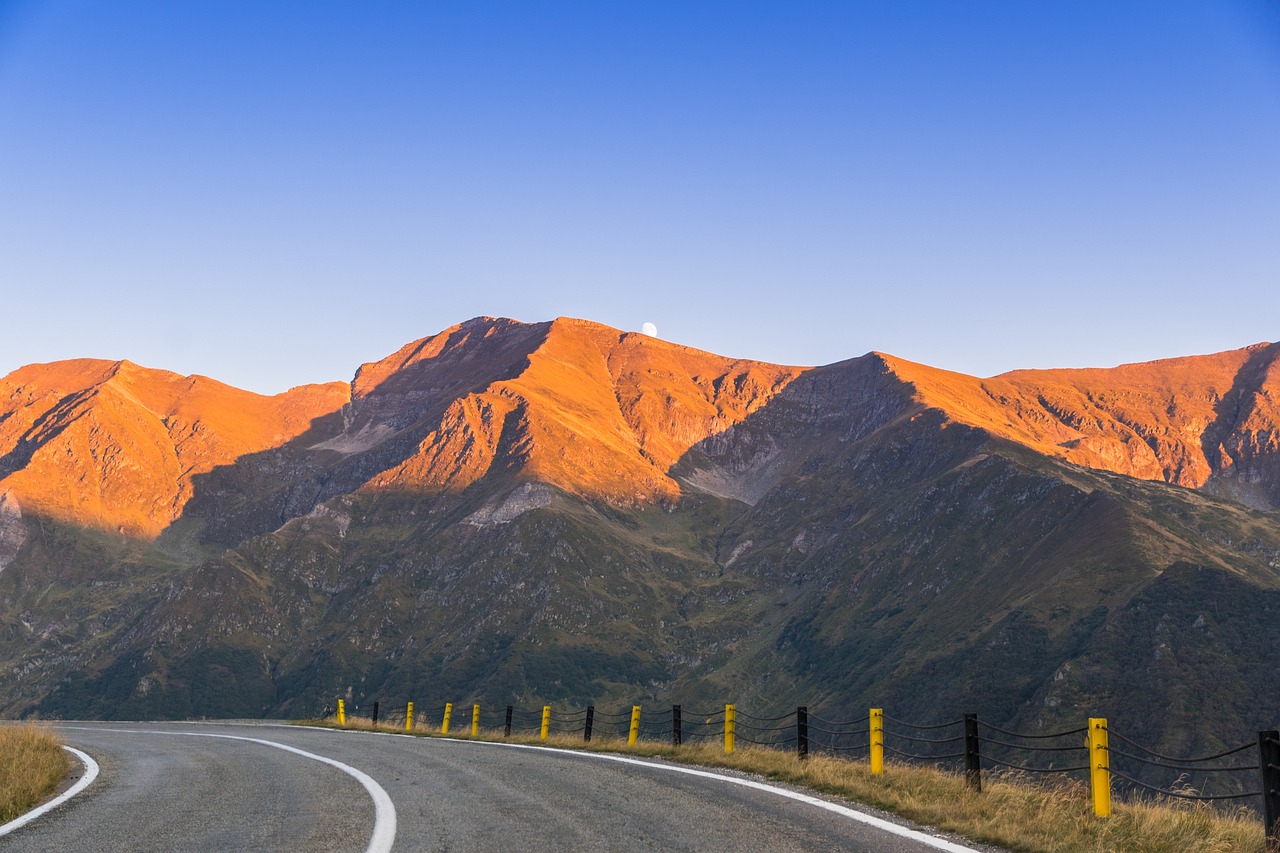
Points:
649	329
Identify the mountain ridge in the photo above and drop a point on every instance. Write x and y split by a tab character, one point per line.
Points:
563	511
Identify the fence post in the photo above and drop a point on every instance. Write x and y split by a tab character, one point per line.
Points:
591	721
506	729
634	733
448	712
676	734
877	741
408	718
375	714
546	722
475	720
342	713
802	732
1269	762
972	755
730	722
1099	767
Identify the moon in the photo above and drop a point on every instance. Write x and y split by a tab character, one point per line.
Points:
649	329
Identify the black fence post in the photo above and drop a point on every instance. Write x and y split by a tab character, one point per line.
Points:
506	730
591	721
802	732
677	735
1269	762
375	714
972	756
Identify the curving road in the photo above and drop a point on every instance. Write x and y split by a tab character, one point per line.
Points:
246	786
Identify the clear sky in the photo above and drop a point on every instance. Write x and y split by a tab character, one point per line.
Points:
271	193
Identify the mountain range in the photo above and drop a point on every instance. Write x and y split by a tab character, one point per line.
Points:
564	512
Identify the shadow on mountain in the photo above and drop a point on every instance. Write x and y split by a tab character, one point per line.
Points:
395	404
1232	452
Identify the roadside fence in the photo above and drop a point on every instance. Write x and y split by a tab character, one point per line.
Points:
1104	757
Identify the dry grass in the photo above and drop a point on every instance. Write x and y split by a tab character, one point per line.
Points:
32	765
1013	811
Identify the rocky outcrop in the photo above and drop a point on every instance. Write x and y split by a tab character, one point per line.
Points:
13	533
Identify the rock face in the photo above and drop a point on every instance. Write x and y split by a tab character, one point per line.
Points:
565	512
13	533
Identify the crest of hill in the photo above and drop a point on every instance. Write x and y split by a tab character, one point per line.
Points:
1200	421
112	445
594	411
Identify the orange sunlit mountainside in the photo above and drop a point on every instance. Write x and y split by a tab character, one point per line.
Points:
596	412
590	410
1186	421
116	446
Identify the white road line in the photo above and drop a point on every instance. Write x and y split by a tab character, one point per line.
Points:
853	814
90	773
384	823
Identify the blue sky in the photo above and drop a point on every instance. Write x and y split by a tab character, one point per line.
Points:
271	193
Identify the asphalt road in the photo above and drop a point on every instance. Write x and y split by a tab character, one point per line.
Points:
246	786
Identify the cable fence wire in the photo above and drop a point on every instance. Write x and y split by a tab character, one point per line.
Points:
1113	751
775	742
702	735
829	747
1112	733
921	727
625	715
1027	769
749	727
956	739
569	718
916	757
1183	795
1030	747
743	714
1079	731
833	732
862	722
708	715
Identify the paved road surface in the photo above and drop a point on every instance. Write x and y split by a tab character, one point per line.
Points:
203	787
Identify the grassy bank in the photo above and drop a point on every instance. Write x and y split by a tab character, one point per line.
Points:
32	765
1013	812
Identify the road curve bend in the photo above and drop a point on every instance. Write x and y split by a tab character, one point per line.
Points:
265	787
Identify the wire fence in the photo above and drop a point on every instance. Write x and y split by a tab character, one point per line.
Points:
1093	753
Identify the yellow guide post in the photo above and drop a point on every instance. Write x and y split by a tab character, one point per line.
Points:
342	713
475	720
877	741
408	718
448	712
546	721
1099	767
730	722
635	726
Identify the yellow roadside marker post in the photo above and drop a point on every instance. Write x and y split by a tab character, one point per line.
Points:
448	712
634	733
877	741
730	723
1099	767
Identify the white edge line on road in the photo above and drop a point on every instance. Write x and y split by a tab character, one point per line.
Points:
384	822
844	811
90	773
